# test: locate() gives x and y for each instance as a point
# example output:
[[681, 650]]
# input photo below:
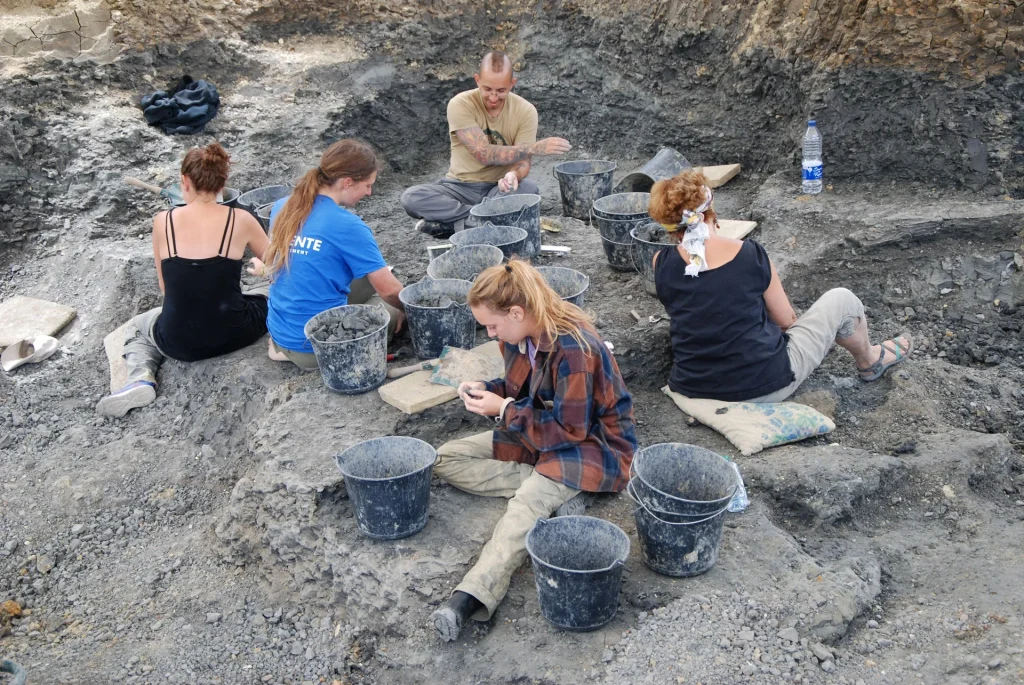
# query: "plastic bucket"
[[643, 257], [465, 262], [577, 564], [358, 364], [514, 210], [511, 240], [434, 324], [675, 545], [388, 481], [580, 183], [619, 255], [19, 676], [229, 197], [257, 197], [666, 164], [680, 479], [571, 285], [618, 229], [623, 206], [263, 216]]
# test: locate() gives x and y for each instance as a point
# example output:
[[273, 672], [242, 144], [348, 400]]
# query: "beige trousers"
[[468, 465]]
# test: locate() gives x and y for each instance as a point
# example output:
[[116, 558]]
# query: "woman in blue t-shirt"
[[735, 336], [322, 255]]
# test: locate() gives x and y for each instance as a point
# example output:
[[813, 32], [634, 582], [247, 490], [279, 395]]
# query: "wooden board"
[[113, 345], [731, 228], [415, 393], [719, 175], [26, 317]]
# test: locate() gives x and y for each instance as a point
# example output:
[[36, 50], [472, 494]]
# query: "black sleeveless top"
[[724, 345], [205, 313]]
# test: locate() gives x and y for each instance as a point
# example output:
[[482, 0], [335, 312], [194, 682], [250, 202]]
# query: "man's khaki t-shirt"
[[517, 124]]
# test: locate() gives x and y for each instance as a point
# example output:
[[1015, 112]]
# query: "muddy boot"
[[449, 619], [577, 506], [438, 229]]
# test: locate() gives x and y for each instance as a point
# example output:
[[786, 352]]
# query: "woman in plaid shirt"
[[565, 427]]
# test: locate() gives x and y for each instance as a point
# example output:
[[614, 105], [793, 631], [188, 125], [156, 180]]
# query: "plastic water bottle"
[[812, 159]]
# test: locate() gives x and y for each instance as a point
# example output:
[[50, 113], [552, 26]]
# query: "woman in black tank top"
[[735, 336], [198, 251]]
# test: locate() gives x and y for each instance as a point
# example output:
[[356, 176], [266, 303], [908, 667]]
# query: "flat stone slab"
[[415, 393], [719, 175], [25, 317], [113, 345], [738, 230]]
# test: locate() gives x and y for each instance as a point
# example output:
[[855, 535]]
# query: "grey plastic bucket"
[[643, 256], [570, 284], [514, 210], [666, 164], [388, 482], [266, 195], [577, 565], [229, 198], [623, 206], [18, 674], [263, 216], [618, 229], [582, 182], [465, 262], [511, 240], [681, 479], [431, 326], [673, 544], [619, 255], [352, 366]]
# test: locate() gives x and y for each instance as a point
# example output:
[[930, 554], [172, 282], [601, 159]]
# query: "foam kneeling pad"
[[753, 426]]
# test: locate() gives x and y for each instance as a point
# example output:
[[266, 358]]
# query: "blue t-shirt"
[[333, 248]]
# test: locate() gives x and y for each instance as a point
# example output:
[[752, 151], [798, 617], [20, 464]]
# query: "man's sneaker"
[[131, 396], [435, 229], [577, 506]]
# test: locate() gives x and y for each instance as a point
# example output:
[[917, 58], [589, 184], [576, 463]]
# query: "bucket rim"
[[614, 165], [633, 235], [547, 522], [403, 438], [619, 221], [612, 195], [586, 282], [727, 498], [286, 186], [487, 247], [433, 280], [524, 236], [615, 242], [635, 496], [533, 199], [376, 307]]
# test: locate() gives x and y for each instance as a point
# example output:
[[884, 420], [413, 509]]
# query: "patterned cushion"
[[751, 426]]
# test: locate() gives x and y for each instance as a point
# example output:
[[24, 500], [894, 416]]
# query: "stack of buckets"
[[682, 493]]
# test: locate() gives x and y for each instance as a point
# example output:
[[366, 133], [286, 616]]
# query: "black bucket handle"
[[546, 521], [633, 496]]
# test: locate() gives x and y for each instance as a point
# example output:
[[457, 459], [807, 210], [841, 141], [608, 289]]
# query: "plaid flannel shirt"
[[572, 418]]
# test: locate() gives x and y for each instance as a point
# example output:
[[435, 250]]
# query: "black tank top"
[[205, 313], [724, 345]]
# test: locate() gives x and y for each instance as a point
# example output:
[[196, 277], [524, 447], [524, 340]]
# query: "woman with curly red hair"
[[735, 335]]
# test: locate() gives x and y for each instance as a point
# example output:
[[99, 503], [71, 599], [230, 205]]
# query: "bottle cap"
[[812, 122]]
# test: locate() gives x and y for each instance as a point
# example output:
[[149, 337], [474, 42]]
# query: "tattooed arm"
[[475, 141]]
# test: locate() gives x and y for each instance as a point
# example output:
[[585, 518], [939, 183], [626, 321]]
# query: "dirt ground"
[[208, 538]]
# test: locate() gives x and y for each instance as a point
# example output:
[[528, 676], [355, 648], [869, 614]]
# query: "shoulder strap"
[[229, 223], [169, 229]]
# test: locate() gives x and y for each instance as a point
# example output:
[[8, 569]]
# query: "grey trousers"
[[141, 354], [360, 292], [834, 315], [448, 200]]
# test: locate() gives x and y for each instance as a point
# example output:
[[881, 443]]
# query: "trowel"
[[172, 192]]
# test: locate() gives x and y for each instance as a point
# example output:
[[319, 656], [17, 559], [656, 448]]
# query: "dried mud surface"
[[208, 538]]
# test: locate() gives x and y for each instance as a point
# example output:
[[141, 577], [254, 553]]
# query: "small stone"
[[995, 663], [12, 545], [77, 528], [821, 651], [213, 617], [310, 653], [607, 655], [789, 634], [746, 635], [44, 563], [296, 649], [828, 666], [748, 669], [872, 624], [157, 626]]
